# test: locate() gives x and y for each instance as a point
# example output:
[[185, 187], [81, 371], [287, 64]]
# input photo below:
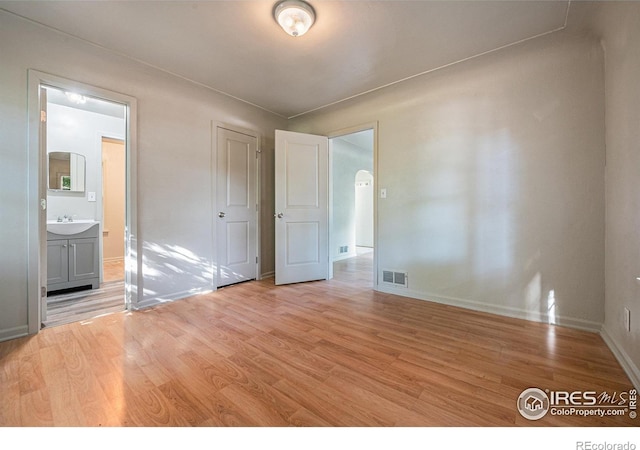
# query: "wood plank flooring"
[[329, 353], [85, 304]]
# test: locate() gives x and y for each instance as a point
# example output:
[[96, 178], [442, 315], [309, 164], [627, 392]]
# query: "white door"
[[237, 207], [302, 225]]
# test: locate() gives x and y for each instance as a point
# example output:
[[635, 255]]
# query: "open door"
[[302, 215]]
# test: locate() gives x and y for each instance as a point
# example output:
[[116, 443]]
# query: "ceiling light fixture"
[[294, 16], [76, 98]]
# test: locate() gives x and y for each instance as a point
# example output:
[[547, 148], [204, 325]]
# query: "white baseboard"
[[147, 303], [516, 313], [14, 333], [625, 361]]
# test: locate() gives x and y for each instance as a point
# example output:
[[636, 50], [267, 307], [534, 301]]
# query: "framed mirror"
[[66, 172]]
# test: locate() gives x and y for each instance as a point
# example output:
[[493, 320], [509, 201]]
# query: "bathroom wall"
[[78, 131]]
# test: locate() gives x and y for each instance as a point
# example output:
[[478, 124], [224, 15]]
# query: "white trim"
[[632, 371], [147, 303], [258, 207], [516, 313], [35, 191], [330, 214], [213, 164]]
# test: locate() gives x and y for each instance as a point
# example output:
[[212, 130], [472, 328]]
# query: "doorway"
[[85, 267], [67, 205], [315, 203], [352, 196]]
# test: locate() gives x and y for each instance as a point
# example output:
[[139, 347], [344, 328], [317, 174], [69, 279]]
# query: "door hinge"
[[43, 291], [256, 260], [43, 116]]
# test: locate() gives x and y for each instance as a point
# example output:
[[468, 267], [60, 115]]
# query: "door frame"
[[215, 126], [343, 132], [37, 190]]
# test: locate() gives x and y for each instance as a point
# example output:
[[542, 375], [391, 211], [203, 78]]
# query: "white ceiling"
[[237, 48]]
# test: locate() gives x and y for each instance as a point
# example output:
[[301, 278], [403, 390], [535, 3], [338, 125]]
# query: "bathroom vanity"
[[73, 258]]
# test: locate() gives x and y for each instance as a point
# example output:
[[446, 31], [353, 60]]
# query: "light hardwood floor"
[[329, 353]]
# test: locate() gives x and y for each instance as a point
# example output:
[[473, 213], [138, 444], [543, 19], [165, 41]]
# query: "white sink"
[[66, 228]]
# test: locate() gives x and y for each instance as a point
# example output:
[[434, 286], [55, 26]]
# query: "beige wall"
[[113, 198], [174, 140], [619, 25], [494, 170]]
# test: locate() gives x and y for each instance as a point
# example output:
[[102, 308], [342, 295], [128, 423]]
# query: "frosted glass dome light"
[[294, 16]]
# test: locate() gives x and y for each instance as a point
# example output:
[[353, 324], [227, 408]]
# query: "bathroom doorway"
[[86, 206]]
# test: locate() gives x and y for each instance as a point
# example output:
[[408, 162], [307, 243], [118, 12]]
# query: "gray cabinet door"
[[83, 259], [57, 261]]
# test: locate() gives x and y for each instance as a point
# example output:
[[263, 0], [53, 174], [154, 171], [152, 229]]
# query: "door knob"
[[279, 215], [221, 214]]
